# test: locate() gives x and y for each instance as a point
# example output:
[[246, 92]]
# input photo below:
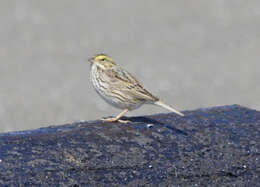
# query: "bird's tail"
[[160, 103]]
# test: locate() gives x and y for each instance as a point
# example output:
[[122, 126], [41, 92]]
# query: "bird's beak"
[[91, 60]]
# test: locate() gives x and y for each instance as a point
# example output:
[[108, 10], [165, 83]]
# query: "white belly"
[[100, 86]]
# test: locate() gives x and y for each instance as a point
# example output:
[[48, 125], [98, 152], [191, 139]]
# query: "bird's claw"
[[115, 120]]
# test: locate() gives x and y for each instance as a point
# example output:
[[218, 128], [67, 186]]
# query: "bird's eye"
[[102, 59]]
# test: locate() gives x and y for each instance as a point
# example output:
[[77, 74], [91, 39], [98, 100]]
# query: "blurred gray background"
[[192, 54]]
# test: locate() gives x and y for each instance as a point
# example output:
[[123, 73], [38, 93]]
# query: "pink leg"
[[117, 118]]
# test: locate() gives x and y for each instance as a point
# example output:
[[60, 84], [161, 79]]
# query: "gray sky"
[[192, 54]]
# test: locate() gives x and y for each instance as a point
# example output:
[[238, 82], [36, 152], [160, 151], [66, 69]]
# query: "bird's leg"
[[117, 118]]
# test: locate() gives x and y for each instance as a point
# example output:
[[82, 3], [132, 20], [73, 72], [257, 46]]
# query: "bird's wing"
[[122, 80]]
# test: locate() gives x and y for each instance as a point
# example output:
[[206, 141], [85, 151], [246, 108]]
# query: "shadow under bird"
[[119, 88]]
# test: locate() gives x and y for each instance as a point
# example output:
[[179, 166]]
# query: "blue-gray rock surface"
[[217, 146]]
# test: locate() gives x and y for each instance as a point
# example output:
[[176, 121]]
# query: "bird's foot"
[[115, 120]]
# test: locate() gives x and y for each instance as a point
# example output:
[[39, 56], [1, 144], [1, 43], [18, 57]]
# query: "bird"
[[119, 88]]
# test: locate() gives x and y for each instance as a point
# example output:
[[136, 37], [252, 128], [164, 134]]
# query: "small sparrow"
[[119, 88]]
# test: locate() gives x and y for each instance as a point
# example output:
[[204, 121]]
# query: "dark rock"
[[208, 147]]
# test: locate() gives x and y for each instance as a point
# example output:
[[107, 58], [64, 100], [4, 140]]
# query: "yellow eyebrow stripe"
[[99, 57]]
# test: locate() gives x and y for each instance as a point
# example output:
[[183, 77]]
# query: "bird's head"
[[103, 61]]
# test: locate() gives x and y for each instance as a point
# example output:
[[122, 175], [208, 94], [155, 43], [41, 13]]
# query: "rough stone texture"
[[208, 147]]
